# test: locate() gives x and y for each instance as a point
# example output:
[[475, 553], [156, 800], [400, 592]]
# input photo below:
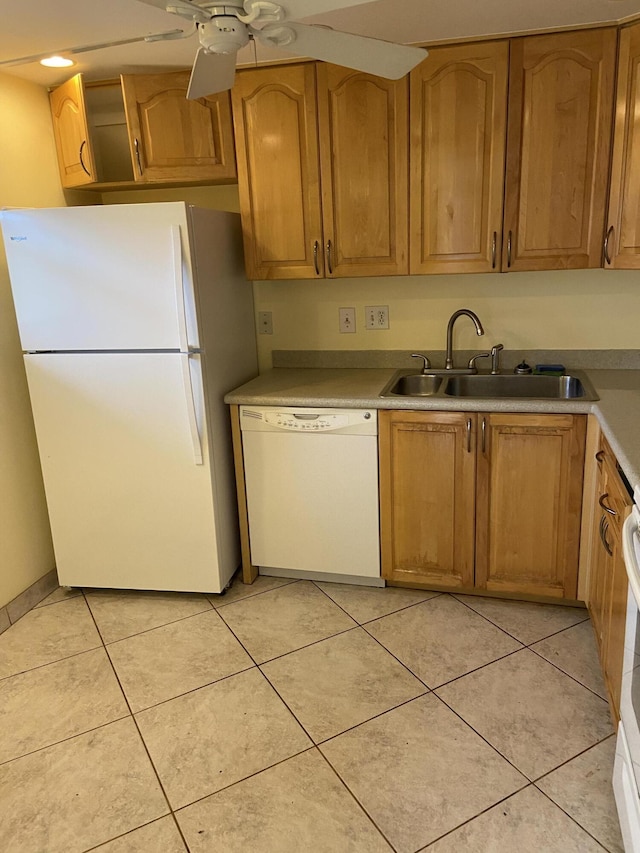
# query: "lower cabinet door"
[[528, 503], [427, 492]]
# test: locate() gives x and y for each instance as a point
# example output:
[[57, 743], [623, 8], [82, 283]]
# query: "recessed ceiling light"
[[56, 62]]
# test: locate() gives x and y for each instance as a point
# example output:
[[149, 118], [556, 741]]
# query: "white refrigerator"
[[135, 320]]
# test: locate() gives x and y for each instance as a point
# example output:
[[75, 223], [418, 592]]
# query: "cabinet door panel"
[[624, 206], [560, 114], [363, 147], [458, 127], [175, 139], [528, 504], [274, 114], [71, 132], [427, 476]]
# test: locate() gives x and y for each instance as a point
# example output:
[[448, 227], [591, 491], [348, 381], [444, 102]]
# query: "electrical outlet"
[[347, 320], [376, 317], [265, 323]]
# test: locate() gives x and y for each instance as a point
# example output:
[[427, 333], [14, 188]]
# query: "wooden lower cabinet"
[[427, 477], [608, 576], [485, 501]]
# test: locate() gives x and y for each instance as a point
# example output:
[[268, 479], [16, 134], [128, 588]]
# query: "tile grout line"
[[569, 675], [570, 816], [142, 740], [130, 831], [356, 800], [495, 624], [147, 630], [480, 813], [430, 595], [288, 582]]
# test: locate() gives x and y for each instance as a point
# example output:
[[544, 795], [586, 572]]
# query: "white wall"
[[28, 178]]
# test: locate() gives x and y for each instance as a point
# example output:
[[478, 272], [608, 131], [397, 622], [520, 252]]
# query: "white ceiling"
[[36, 27]]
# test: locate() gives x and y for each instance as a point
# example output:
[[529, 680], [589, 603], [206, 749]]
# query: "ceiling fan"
[[225, 28]]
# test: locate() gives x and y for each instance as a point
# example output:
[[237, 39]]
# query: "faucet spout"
[[448, 364]]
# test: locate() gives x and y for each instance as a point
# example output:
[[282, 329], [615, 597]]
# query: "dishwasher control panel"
[[300, 422], [276, 419]]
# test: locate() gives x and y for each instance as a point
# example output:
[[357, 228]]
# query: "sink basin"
[[566, 387], [484, 386], [415, 385]]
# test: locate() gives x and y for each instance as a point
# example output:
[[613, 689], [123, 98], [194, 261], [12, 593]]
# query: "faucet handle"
[[472, 360], [425, 359]]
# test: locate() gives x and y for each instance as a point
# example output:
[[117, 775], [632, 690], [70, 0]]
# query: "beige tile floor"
[[297, 716]]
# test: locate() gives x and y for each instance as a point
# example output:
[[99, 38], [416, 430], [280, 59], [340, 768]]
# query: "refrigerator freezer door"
[[111, 277], [129, 506]]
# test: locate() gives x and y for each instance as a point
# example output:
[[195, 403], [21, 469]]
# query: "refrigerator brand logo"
[[17, 239]]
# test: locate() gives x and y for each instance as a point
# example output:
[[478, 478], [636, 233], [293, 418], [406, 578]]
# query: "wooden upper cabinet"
[[529, 500], [363, 162], [622, 250], [458, 128], [71, 133], [558, 147], [427, 497], [322, 172], [274, 114], [172, 138]]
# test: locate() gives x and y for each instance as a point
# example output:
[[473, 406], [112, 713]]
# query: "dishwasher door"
[[312, 491]]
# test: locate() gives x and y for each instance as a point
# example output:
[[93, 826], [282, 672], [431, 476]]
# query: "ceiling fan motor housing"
[[223, 34]]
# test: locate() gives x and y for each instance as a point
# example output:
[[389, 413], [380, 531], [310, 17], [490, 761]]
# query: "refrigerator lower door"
[[130, 503]]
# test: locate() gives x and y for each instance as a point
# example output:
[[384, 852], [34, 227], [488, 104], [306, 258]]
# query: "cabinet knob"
[[316, 247]]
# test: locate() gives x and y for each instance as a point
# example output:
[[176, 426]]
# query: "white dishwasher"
[[312, 492]]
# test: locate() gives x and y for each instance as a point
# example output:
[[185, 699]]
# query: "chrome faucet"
[[448, 364]]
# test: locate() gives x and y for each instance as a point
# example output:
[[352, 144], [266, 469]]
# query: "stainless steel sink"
[[573, 386], [568, 387], [416, 385]]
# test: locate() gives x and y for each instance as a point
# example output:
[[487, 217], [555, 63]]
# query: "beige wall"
[[28, 178], [592, 309]]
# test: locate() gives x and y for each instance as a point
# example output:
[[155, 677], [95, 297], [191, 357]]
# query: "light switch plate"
[[265, 323], [346, 320]]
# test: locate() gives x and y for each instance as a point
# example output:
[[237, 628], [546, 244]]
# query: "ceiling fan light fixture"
[[223, 34], [57, 62]]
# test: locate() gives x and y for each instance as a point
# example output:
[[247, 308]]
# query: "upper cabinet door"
[[71, 132], [622, 248], [558, 144], [274, 114], [363, 157], [458, 128], [173, 139]]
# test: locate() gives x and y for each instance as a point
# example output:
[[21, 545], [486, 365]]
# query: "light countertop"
[[617, 410]]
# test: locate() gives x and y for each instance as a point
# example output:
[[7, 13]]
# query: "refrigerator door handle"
[[181, 312], [191, 409]]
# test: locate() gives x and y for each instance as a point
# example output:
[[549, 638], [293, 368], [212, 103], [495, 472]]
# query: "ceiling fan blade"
[[373, 56], [212, 72], [184, 8]]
